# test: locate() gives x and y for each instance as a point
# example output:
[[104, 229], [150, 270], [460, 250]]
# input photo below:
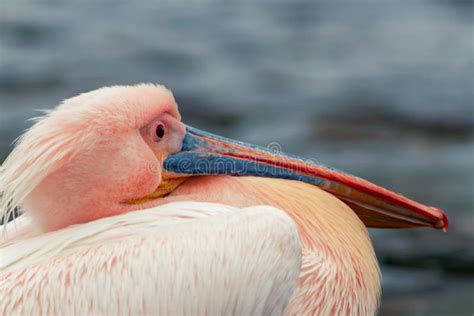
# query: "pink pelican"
[[129, 211]]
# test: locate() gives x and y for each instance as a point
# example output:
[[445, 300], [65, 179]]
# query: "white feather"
[[180, 258]]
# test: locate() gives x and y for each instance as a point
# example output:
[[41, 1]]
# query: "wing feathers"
[[179, 258]]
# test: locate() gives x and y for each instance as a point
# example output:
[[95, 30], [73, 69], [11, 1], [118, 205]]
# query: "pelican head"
[[123, 148]]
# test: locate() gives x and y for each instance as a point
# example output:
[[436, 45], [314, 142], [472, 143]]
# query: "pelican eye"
[[160, 131]]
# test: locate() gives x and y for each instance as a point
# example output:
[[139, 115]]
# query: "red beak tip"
[[444, 222]]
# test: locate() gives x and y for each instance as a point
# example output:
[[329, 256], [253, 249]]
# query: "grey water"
[[381, 89]]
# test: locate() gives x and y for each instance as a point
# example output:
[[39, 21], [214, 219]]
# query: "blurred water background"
[[382, 89]]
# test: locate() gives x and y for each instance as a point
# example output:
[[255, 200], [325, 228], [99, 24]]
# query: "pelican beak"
[[203, 153]]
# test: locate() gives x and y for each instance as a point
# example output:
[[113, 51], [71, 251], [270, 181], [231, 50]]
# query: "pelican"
[[129, 211]]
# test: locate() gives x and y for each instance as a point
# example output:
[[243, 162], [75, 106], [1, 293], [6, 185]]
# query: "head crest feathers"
[[75, 125]]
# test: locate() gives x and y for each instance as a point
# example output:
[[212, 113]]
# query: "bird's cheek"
[[142, 175]]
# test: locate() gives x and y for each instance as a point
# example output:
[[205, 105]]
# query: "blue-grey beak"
[[203, 153]]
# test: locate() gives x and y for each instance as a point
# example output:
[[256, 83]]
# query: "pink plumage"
[[107, 230]]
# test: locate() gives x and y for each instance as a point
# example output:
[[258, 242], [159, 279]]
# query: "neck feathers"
[[340, 274]]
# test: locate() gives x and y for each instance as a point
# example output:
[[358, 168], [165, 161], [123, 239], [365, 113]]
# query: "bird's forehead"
[[121, 108]]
